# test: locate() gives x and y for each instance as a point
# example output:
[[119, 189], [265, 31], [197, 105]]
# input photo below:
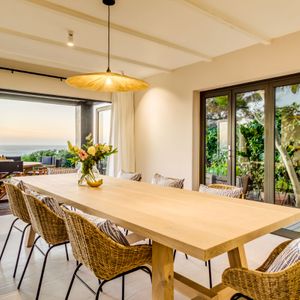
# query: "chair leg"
[[123, 287], [27, 262], [8, 235], [72, 280], [210, 274], [238, 296], [174, 254], [67, 254], [100, 288], [20, 248], [186, 256], [43, 270]]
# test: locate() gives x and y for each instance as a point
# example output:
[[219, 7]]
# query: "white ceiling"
[[148, 36]]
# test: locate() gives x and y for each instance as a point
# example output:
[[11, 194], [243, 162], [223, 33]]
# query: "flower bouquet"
[[89, 155]]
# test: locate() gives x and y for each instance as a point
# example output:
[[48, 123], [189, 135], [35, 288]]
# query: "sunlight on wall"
[[33, 123]]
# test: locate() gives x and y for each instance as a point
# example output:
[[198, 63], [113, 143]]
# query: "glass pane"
[[250, 143], [104, 117], [216, 139], [287, 145]]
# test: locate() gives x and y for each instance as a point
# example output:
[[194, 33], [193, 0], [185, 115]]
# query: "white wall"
[[45, 85], [164, 113]]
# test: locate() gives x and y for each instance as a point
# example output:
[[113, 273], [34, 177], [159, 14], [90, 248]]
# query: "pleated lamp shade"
[[107, 82]]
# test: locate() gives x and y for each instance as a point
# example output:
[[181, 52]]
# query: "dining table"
[[199, 224]]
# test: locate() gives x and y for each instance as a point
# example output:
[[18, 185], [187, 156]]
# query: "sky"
[[32, 123]]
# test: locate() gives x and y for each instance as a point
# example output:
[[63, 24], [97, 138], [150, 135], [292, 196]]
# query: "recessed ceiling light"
[[70, 42]]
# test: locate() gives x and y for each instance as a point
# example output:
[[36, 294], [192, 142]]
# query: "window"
[[26, 127], [103, 123], [251, 138], [102, 130]]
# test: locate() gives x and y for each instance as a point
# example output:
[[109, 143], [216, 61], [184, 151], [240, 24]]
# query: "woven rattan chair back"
[[261, 285], [17, 202], [94, 249], [44, 222], [224, 187]]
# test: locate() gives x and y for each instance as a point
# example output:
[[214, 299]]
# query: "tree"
[[289, 115]]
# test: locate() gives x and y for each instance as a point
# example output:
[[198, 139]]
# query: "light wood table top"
[[198, 224]]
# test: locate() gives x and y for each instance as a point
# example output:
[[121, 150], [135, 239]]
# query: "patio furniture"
[[106, 258], [14, 158], [19, 210], [34, 168], [7, 169], [47, 225], [260, 285], [47, 160]]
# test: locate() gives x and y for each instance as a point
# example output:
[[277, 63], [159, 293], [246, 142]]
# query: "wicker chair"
[[99, 253], [224, 187], [19, 210], [260, 285], [47, 225]]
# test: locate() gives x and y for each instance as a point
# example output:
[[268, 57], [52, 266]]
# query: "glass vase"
[[89, 177]]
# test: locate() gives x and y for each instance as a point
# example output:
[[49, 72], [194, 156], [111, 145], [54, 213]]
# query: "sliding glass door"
[[251, 139], [217, 140], [287, 145], [249, 115]]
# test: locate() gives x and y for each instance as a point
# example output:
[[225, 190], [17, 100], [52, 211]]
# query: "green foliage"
[[253, 133], [59, 154], [218, 164]]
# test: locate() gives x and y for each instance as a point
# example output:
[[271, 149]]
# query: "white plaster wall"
[[163, 114]]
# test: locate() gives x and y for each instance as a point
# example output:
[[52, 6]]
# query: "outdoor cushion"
[[50, 202], [232, 193], [130, 176], [289, 256], [167, 181]]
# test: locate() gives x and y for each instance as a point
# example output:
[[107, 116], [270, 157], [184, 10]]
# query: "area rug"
[[4, 208]]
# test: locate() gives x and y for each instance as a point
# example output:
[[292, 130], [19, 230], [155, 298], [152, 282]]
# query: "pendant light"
[[107, 81]]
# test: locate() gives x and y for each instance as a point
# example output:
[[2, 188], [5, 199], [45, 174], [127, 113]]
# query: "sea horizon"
[[19, 150]]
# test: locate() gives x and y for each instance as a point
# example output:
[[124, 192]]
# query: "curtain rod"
[[33, 73]]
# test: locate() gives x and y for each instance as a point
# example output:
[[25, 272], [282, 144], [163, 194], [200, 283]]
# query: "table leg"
[[30, 236], [162, 272], [237, 258]]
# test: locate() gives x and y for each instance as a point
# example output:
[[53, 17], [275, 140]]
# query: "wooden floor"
[[58, 272]]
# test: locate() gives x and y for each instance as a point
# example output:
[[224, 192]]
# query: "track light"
[[70, 42]]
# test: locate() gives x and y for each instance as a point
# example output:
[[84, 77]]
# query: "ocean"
[[19, 150]]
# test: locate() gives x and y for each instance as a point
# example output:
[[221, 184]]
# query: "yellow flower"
[[106, 148], [92, 150]]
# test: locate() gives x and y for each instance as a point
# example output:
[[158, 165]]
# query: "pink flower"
[[82, 154]]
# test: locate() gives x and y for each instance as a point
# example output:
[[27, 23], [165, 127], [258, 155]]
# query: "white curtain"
[[122, 134]]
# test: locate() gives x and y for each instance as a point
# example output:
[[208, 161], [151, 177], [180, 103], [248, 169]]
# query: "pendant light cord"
[[108, 40]]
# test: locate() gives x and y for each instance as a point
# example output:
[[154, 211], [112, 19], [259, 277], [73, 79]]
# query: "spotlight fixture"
[[107, 81], [70, 42]]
